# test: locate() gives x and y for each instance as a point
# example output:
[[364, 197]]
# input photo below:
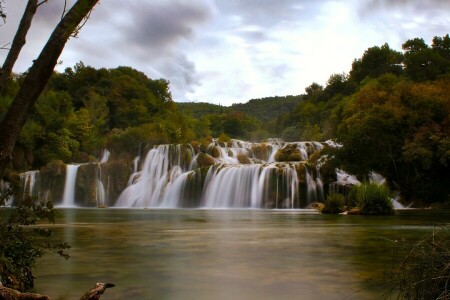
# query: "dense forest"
[[390, 113]]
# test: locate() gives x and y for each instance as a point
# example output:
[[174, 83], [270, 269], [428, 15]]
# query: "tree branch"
[[37, 78], [17, 43]]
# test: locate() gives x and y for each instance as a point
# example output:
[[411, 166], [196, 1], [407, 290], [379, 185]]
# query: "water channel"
[[227, 254]]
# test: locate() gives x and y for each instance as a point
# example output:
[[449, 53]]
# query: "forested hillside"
[[390, 112], [268, 108]]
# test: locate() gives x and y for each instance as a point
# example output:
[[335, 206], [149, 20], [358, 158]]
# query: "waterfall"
[[242, 175], [232, 174], [105, 156], [162, 166], [100, 193], [234, 187], [69, 187], [28, 182], [4, 187]]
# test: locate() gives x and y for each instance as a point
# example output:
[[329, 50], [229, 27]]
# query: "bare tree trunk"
[[18, 42], [37, 78]]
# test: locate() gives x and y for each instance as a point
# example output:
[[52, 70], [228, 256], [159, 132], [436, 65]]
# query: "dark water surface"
[[226, 254]]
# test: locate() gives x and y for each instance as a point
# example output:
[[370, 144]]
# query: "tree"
[[18, 41], [37, 78], [23, 241], [376, 61], [427, 63]]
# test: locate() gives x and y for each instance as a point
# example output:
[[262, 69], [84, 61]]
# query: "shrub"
[[22, 246], [374, 199], [334, 204]]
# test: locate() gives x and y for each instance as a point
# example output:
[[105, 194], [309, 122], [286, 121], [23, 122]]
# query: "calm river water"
[[226, 254]]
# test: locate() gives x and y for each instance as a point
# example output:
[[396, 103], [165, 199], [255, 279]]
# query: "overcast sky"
[[230, 51]]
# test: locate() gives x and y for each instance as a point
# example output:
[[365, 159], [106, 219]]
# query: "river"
[[226, 254]]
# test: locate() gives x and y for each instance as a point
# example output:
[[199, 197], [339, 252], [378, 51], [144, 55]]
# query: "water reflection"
[[223, 254]]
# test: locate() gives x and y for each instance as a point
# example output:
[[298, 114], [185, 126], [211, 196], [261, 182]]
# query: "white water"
[[105, 156], [161, 167], [69, 187], [4, 186], [28, 182], [100, 192], [244, 176]]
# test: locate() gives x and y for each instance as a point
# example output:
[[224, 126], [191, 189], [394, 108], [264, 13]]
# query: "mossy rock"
[[262, 151], [205, 160], [196, 146], [243, 159], [288, 153], [215, 152]]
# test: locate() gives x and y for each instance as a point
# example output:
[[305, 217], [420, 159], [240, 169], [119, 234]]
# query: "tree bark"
[[17, 43], [37, 78]]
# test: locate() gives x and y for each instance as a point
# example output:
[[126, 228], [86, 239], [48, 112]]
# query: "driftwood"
[[10, 294], [93, 294], [97, 291]]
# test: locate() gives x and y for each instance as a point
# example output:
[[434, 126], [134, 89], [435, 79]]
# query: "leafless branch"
[[5, 46], [42, 2], [64, 9], [77, 30]]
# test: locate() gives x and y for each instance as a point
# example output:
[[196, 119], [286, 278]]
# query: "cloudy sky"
[[230, 51]]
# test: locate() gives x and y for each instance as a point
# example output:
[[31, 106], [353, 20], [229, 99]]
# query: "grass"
[[373, 199], [334, 204], [422, 270]]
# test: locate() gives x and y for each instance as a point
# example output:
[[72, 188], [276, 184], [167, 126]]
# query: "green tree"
[[376, 61], [23, 241], [37, 77], [427, 63]]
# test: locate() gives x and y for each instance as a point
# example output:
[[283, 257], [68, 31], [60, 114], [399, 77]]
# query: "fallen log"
[[93, 294], [10, 294]]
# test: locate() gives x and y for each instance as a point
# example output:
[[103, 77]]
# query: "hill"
[[264, 109]]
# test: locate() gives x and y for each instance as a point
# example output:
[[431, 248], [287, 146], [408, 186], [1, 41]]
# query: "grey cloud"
[[181, 73], [420, 6], [161, 24], [253, 33], [268, 13]]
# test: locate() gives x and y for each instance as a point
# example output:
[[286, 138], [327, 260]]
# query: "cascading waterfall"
[[28, 181], [69, 187], [234, 187], [105, 156], [100, 192], [242, 175], [162, 166], [232, 174]]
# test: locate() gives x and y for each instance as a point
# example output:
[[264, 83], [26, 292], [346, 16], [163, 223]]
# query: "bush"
[[334, 204], [373, 199], [20, 245]]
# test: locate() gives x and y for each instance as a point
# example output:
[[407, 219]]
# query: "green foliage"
[[375, 62], [201, 109], [223, 138], [291, 134], [23, 240], [399, 128], [374, 199], [334, 204], [268, 108], [424, 62]]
